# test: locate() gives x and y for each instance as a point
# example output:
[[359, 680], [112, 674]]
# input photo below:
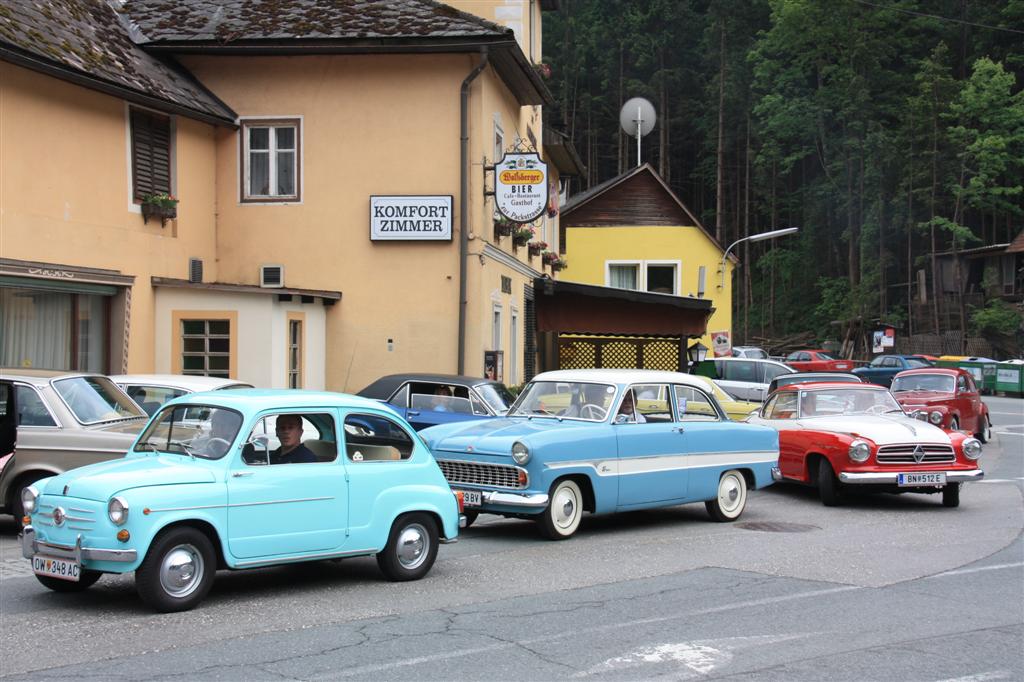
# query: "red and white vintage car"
[[948, 398], [839, 436], [816, 361]]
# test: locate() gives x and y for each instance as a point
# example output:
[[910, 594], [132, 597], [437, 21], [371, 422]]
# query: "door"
[[968, 404], [652, 447], [740, 378], [780, 413], [288, 509]]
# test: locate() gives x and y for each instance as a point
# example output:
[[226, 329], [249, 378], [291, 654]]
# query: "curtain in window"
[[622, 276], [35, 329]]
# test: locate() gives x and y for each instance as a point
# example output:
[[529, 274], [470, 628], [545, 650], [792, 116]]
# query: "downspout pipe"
[[464, 201]]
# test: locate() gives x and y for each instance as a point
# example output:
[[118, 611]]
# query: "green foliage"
[[997, 317]]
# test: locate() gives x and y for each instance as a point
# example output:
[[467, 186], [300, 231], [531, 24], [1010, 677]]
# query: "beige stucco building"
[[274, 135]]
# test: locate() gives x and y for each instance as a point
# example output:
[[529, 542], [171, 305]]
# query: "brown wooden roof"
[[1017, 245]]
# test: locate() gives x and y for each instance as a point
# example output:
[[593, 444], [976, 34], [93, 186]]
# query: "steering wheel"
[[877, 409], [221, 442], [591, 411]]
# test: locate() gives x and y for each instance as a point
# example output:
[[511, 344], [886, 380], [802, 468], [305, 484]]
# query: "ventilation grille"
[[272, 276], [195, 270]]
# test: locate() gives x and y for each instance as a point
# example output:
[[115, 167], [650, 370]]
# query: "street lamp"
[[753, 238], [697, 352]]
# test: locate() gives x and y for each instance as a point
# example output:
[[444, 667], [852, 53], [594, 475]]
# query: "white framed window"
[[622, 274], [499, 139], [513, 348], [271, 160], [702, 276], [656, 276], [496, 327]]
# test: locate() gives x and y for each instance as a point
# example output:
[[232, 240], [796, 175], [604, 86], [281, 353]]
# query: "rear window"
[[913, 362]]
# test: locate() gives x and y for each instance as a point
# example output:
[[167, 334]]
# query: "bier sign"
[[410, 218], [521, 186]]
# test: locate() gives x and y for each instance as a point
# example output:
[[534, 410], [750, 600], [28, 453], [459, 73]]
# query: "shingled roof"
[[87, 42], [239, 21]]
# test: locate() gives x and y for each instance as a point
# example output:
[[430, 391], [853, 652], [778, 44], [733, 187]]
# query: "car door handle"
[[241, 474], [412, 413], [678, 429]]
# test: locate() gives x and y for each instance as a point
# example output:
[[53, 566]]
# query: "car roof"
[[950, 371], [730, 359], [186, 381], [821, 385], [256, 399], [384, 387], [818, 376], [618, 376], [40, 377]]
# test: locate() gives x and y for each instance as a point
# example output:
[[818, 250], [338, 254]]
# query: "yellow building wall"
[[65, 192], [588, 249], [371, 125]]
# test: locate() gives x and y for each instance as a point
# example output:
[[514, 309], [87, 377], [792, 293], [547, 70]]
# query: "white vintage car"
[[151, 391]]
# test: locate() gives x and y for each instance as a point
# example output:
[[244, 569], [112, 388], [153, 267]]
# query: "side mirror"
[[622, 419]]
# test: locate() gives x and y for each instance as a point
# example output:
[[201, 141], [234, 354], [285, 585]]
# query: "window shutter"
[[151, 154]]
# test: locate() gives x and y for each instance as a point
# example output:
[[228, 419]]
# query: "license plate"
[[471, 498], [56, 568], [938, 478]]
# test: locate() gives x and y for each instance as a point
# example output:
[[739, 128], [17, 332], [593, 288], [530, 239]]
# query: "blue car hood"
[[100, 481], [493, 436]]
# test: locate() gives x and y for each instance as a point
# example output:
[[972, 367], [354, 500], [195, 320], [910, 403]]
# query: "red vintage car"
[[816, 361], [948, 398], [843, 436]]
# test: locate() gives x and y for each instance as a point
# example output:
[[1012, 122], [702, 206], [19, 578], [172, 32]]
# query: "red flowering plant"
[[522, 236], [536, 248], [161, 205], [543, 70]]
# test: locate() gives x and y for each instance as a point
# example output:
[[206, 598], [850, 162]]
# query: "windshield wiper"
[[187, 449]]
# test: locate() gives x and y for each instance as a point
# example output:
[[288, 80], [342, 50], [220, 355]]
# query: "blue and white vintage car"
[[202, 489], [605, 441]]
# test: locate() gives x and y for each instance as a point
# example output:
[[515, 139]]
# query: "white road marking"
[[405, 662], [981, 677], [1008, 433], [979, 569], [1000, 480]]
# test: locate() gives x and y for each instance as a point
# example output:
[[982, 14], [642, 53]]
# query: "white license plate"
[[938, 478], [471, 498], [56, 568]]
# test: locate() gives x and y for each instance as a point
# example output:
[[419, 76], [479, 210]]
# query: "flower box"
[[162, 206], [522, 236], [536, 248], [503, 227]]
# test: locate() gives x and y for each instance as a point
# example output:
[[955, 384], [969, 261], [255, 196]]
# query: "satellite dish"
[[637, 113], [637, 119]]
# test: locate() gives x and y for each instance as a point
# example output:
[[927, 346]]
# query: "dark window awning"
[[570, 307]]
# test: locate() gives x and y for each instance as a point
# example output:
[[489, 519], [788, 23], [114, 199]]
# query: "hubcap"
[[181, 571], [413, 543], [564, 508], [729, 494]]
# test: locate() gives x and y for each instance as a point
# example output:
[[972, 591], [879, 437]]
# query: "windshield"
[[497, 397], [942, 383], [915, 363], [838, 401], [567, 399], [95, 399], [197, 430], [825, 356]]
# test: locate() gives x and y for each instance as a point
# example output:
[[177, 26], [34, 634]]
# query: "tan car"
[[65, 420]]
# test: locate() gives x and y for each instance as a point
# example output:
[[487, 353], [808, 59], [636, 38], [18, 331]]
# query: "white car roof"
[[731, 359], [620, 376], [193, 384]]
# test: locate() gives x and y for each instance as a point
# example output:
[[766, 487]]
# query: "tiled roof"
[[228, 21], [1017, 245], [89, 40]]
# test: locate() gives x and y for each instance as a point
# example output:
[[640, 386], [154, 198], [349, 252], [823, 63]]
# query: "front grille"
[[485, 475], [904, 454], [77, 516]]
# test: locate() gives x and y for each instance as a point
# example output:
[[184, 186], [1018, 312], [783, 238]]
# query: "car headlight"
[[935, 417], [972, 448], [117, 510], [520, 453], [860, 451], [28, 499]]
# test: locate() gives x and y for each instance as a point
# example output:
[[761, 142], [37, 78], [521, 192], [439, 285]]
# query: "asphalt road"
[[883, 588]]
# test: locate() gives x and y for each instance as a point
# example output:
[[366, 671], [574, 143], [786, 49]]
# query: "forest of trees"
[[887, 131]]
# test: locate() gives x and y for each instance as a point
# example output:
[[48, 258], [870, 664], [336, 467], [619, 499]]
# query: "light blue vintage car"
[[206, 486], [605, 441]]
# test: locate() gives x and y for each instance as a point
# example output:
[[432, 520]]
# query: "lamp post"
[[753, 238], [697, 352]]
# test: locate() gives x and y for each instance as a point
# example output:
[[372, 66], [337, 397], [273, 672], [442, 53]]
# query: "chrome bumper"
[[515, 500], [886, 477], [776, 474], [30, 546]]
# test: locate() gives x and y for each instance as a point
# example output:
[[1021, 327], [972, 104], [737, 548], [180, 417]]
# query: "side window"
[[890, 362], [479, 407], [151, 398], [293, 439], [652, 402], [742, 370], [879, 361], [693, 405], [372, 438], [783, 406], [439, 398], [961, 383], [31, 408], [400, 398], [772, 371], [793, 356]]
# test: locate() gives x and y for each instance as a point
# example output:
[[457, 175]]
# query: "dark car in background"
[[884, 367], [431, 399], [811, 377]]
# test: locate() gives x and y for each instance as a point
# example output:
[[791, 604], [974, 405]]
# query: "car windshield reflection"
[[205, 432], [565, 400], [95, 399], [940, 383], [857, 401], [497, 397]]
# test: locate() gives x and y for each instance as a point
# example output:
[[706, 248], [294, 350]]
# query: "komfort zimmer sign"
[[521, 186], [410, 218]]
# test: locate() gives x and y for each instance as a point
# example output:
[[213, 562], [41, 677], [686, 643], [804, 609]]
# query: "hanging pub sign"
[[410, 218], [521, 186]]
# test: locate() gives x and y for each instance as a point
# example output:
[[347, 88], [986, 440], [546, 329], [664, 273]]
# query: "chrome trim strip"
[[514, 500], [77, 518], [84, 511], [626, 466], [891, 478], [240, 504], [170, 509], [30, 546], [69, 449], [79, 527], [304, 557]]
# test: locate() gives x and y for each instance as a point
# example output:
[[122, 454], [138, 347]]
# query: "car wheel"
[[411, 548], [731, 499], [985, 435], [828, 484], [470, 517], [178, 570], [954, 424], [562, 516], [86, 579], [951, 495]]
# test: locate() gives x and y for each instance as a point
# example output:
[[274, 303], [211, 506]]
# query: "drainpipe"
[[464, 202]]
